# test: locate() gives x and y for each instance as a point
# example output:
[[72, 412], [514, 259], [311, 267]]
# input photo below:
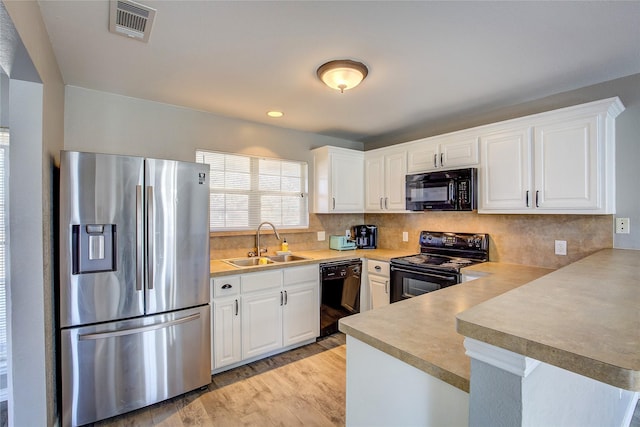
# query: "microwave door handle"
[[452, 196]]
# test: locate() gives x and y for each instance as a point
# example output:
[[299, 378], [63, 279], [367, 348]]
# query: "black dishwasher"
[[340, 292]]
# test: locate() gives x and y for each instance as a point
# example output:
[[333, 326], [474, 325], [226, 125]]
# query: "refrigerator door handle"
[[150, 237], [139, 238], [130, 331]]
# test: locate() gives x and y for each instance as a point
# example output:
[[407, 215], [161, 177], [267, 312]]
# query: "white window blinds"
[[4, 191], [247, 190]]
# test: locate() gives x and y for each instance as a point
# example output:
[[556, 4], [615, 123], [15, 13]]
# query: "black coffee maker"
[[365, 236]]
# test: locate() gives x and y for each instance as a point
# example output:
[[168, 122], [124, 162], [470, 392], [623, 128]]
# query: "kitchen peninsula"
[[582, 318]]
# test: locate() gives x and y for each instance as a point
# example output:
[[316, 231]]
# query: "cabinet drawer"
[[378, 267], [225, 286], [260, 281], [301, 274]]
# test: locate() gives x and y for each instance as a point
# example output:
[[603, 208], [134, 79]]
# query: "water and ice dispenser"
[[94, 248]]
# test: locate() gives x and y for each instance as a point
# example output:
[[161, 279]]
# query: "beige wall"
[[27, 20]]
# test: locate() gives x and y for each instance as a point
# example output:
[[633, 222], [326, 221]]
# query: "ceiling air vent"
[[131, 19]]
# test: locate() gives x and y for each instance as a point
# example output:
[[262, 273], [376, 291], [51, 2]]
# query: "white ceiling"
[[427, 60]]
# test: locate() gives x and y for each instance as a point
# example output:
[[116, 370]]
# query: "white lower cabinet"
[[272, 310], [301, 309], [261, 323], [226, 332], [225, 321], [379, 281]]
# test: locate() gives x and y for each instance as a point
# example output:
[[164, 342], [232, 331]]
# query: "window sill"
[[264, 230]]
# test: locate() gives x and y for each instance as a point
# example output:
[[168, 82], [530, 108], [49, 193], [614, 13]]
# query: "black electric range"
[[438, 264]]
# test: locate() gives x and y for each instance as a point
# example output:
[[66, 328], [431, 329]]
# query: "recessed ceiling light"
[[275, 114]]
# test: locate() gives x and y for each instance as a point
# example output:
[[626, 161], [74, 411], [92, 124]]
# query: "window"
[[247, 190], [4, 192]]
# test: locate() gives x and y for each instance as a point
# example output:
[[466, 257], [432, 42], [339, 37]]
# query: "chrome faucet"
[[259, 250]]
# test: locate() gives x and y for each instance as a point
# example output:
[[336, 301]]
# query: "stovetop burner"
[[447, 251]]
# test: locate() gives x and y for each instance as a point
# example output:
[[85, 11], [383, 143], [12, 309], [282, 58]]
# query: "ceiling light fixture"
[[275, 114], [342, 74]]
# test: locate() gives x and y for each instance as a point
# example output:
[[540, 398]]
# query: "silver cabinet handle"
[[377, 268], [435, 160], [286, 298], [386, 203], [227, 286], [537, 194], [386, 286], [130, 331], [236, 307], [380, 202], [150, 237], [334, 203], [139, 238], [281, 298], [526, 198], [441, 159]]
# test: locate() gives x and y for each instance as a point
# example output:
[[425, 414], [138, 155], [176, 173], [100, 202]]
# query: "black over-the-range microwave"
[[452, 190]]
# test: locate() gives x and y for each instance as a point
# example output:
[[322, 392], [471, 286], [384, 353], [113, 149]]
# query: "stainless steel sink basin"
[[287, 258], [248, 262], [275, 259]]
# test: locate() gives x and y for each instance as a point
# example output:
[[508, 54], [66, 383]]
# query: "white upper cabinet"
[[455, 150], [338, 180], [557, 162], [385, 171], [505, 173]]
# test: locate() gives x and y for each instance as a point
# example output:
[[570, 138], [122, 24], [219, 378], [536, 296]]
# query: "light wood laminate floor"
[[305, 386]]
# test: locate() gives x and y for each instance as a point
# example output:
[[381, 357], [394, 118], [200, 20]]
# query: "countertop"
[[421, 331], [220, 268], [584, 318]]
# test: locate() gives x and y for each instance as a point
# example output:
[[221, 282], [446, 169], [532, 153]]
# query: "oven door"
[[408, 283]]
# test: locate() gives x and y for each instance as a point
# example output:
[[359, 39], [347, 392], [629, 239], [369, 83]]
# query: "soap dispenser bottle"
[[285, 245]]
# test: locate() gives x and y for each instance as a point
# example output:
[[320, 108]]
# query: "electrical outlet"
[[561, 247], [405, 236], [347, 233], [321, 236], [622, 226]]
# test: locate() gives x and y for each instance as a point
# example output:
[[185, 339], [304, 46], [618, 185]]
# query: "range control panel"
[[463, 241]]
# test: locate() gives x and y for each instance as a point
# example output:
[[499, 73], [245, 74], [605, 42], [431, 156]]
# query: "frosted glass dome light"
[[342, 74]]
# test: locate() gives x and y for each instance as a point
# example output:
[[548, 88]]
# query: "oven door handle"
[[422, 273]]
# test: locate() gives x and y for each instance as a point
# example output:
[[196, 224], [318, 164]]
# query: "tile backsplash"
[[516, 239]]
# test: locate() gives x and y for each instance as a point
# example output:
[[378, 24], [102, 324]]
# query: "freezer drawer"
[[117, 367]]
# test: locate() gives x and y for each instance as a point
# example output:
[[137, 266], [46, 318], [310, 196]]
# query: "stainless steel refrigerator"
[[133, 296]]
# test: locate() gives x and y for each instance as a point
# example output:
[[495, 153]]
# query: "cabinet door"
[[505, 177], [379, 290], [227, 345], [566, 165], [301, 313], [261, 315], [423, 156], [374, 182], [459, 152], [347, 182], [395, 171]]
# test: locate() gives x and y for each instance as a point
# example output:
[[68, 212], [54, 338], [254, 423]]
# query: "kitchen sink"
[[248, 262], [287, 258]]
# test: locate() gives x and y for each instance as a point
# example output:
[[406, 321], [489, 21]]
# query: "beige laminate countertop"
[[220, 268], [584, 318], [421, 331]]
